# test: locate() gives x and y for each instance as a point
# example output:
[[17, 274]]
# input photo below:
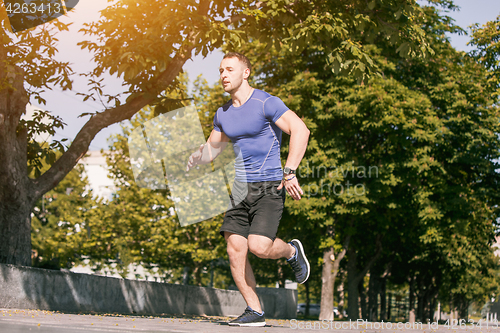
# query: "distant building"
[[491, 311], [497, 246], [135, 272], [94, 162], [96, 171]]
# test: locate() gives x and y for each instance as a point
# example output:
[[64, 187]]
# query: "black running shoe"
[[249, 318], [299, 262]]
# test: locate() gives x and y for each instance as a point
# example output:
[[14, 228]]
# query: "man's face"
[[232, 74]]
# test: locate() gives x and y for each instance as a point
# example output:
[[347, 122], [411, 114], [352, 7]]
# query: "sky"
[[69, 106]]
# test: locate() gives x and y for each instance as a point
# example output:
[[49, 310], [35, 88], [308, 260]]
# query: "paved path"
[[20, 321]]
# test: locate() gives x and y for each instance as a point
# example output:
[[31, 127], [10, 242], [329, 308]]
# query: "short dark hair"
[[240, 57]]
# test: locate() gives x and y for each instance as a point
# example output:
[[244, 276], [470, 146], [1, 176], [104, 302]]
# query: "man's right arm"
[[209, 151]]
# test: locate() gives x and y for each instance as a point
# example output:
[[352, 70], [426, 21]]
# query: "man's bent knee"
[[260, 249]]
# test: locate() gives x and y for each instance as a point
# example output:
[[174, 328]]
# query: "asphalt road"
[[14, 321], [17, 321]]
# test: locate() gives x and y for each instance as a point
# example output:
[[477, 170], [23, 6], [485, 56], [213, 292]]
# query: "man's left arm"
[[291, 124]]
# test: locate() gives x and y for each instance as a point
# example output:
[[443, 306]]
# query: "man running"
[[254, 120]]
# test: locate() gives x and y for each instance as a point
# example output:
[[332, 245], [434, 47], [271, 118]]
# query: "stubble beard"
[[232, 89]]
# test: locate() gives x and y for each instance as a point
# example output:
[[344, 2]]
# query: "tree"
[[348, 174], [431, 135], [146, 44]]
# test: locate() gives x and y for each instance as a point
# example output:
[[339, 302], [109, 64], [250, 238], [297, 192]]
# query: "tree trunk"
[[281, 276], [197, 275], [362, 299], [452, 312], [328, 275], [327, 285], [432, 307], [341, 297], [419, 312], [383, 300], [185, 276], [373, 292], [411, 307], [15, 237], [461, 306], [354, 277], [435, 305], [212, 268], [425, 303], [15, 186], [389, 306], [352, 286], [308, 299]]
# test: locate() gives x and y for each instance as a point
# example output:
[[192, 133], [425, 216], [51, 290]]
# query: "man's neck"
[[241, 95]]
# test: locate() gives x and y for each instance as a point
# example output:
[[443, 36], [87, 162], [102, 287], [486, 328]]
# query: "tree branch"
[[341, 254], [111, 116]]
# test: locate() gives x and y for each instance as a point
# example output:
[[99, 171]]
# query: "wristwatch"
[[288, 171]]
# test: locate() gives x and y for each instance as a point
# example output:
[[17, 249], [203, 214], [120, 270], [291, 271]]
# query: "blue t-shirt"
[[255, 136]]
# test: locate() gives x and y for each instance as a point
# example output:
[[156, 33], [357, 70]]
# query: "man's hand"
[[195, 158], [292, 187]]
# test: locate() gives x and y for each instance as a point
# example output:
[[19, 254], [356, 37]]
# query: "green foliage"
[[340, 30], [42, 123], [59, 222], [429, 135], [33, 50], [486, 40]]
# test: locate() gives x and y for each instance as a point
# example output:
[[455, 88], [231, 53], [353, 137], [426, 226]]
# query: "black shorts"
[[255, 209]]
